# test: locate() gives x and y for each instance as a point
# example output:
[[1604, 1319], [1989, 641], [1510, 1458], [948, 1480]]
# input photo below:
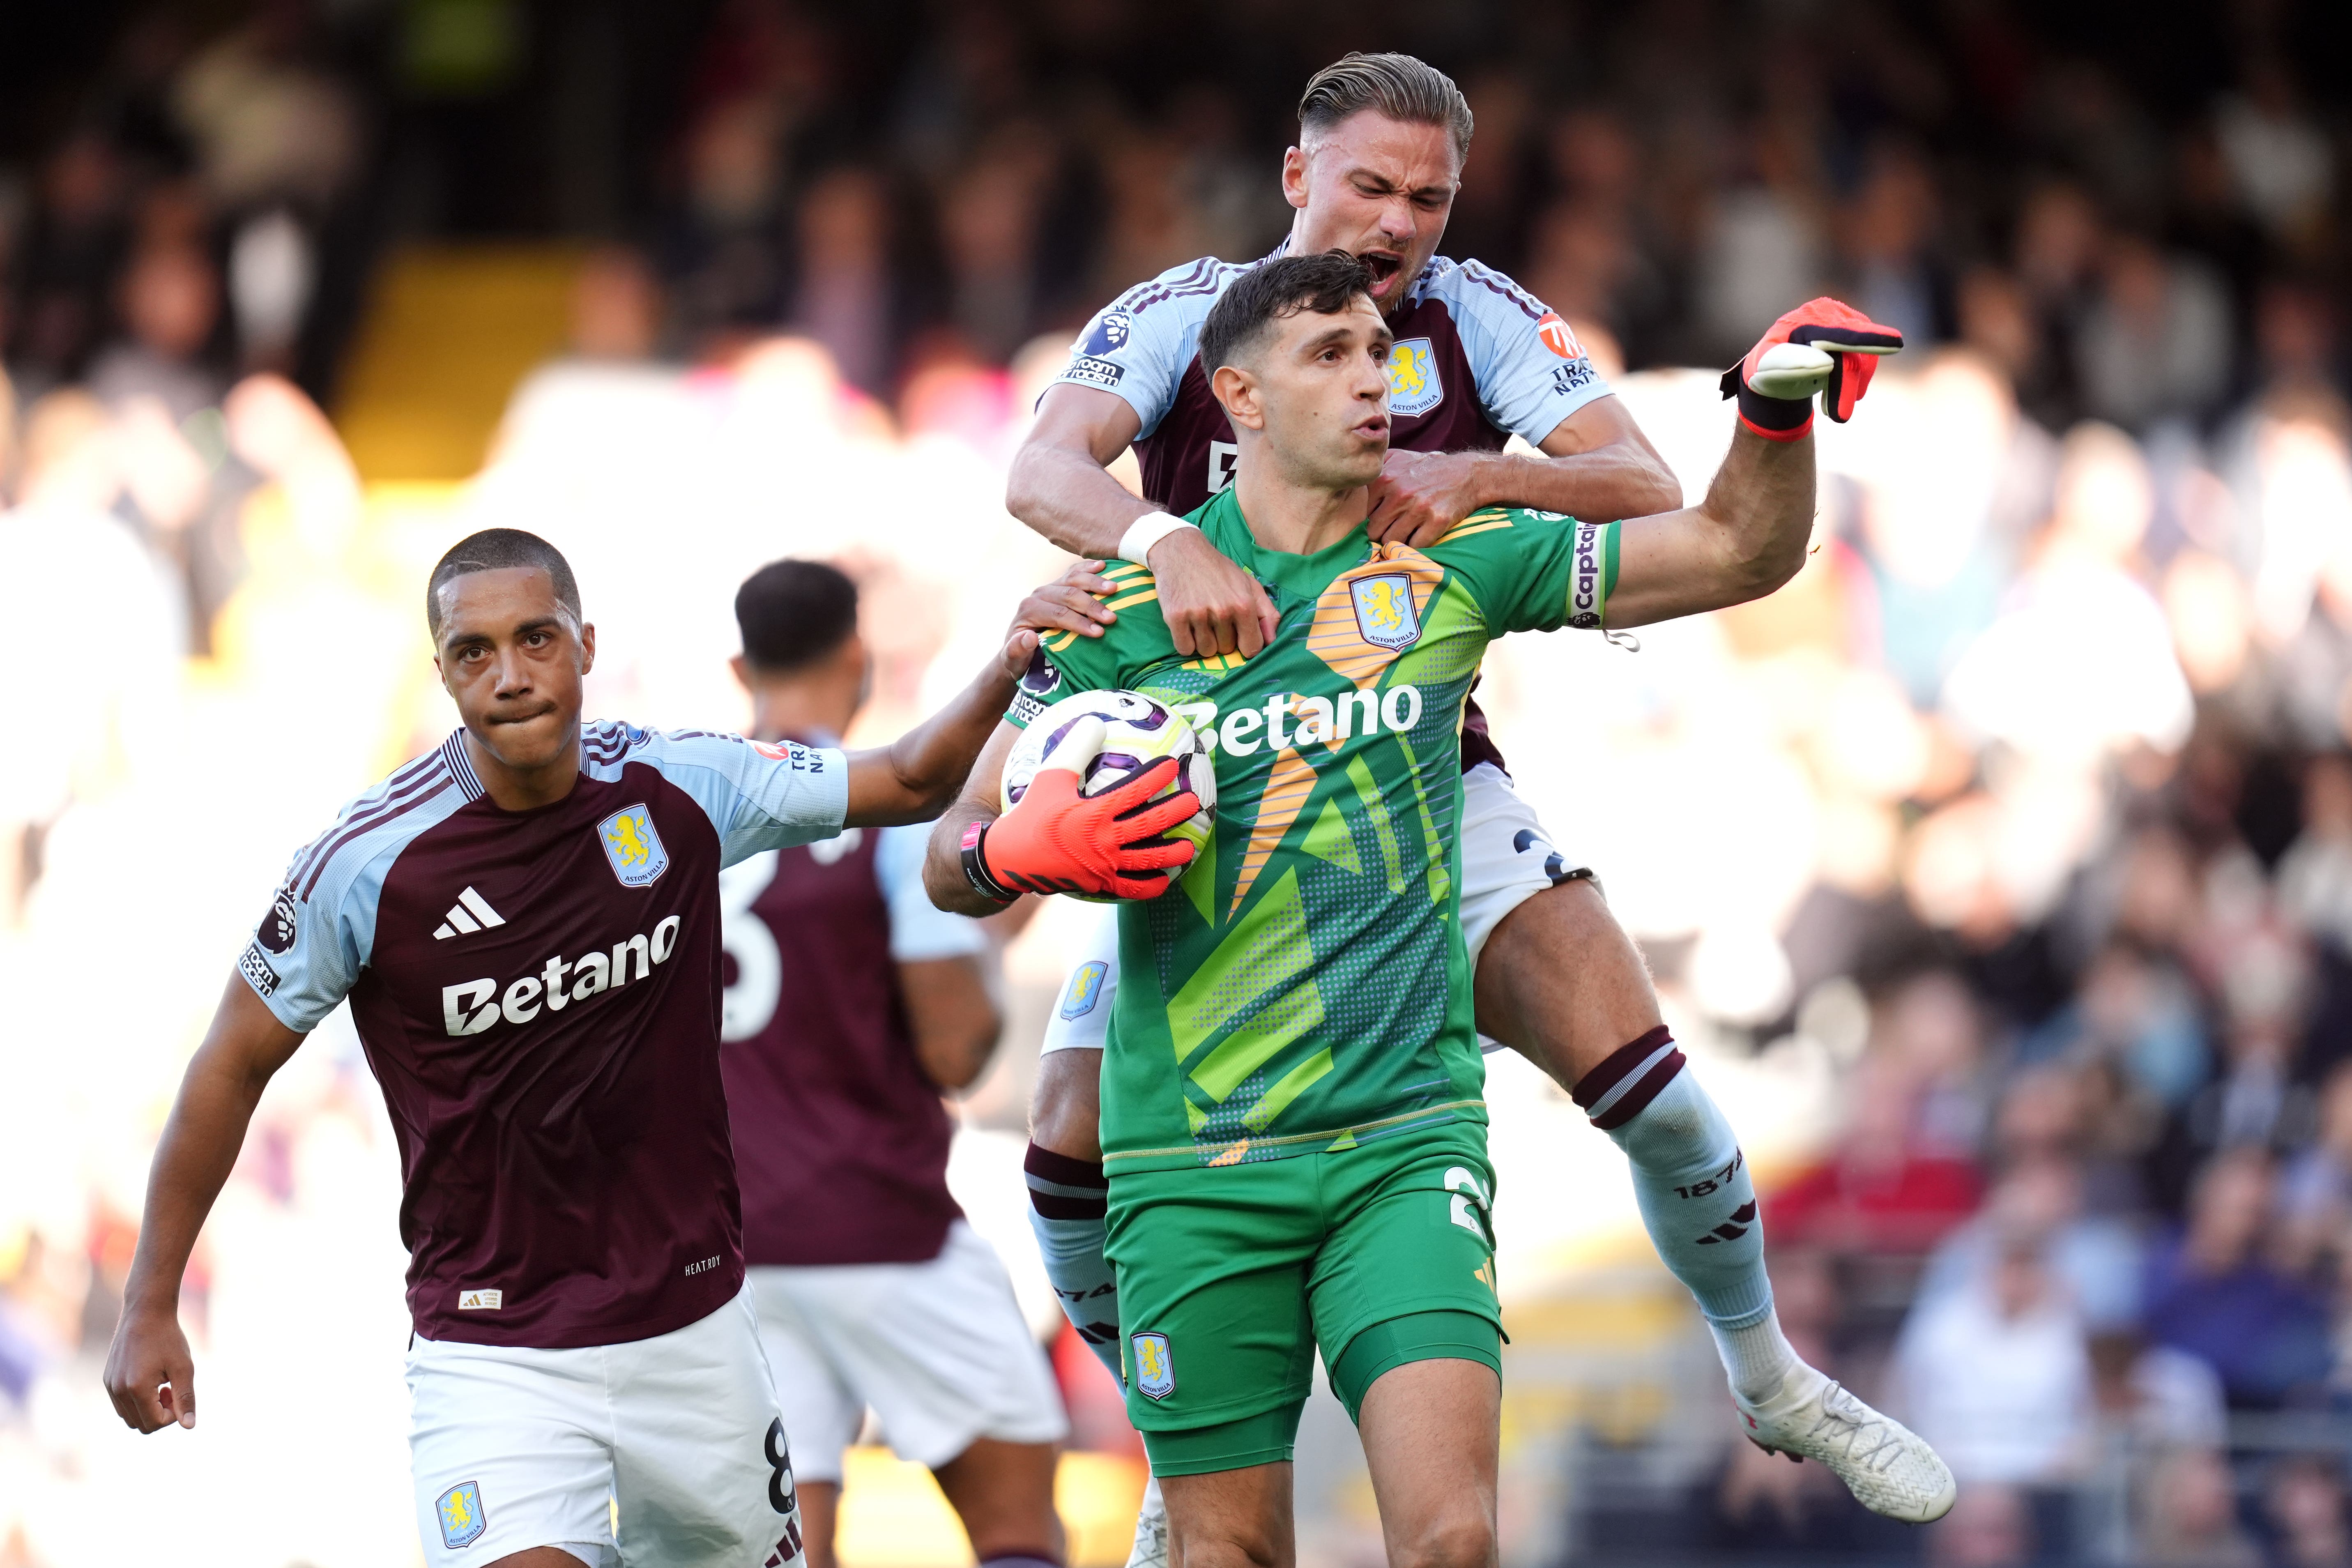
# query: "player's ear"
[[742, 671], [1236, 391], [587, 646], [1294, 177]]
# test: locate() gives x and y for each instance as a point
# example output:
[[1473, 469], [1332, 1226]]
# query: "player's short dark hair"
[[793, 612], [1400, 87], [1323, 283], [495, 550]]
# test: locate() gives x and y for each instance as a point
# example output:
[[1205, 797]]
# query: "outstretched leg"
[[1559, 980]]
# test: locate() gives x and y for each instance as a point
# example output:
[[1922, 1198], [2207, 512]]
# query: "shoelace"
[[1856, 1427]]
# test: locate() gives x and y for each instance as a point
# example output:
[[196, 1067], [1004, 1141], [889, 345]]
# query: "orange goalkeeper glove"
[[1820, 346], [1058, 841]]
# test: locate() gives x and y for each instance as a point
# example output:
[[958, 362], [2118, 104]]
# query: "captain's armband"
[[1593, 577]]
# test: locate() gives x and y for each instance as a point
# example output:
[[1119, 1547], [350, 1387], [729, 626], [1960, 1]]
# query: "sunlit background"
[[1997, 873]]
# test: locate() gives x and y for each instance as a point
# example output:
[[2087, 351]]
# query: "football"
[[1138, 731]]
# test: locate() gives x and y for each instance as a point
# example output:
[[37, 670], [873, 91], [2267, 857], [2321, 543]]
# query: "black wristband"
[[975, 869], [1774, 418]]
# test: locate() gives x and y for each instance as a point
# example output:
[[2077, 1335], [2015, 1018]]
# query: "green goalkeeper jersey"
[[1305, 986]]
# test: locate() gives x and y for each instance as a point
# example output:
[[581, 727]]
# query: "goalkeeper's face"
[[1377, 188], [1316, 389], [513, 656]]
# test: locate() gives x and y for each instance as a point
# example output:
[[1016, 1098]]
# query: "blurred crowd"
[[2008, 849]]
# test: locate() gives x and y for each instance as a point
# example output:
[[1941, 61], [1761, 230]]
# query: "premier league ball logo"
[[1109, 335]]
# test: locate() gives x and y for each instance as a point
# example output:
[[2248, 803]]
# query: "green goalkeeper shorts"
[[1230, 1278]]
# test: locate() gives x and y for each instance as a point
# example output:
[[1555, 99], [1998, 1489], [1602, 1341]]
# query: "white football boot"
[[1150, 1547], [1886, 1466]]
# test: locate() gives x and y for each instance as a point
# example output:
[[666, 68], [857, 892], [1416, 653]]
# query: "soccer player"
[[1474, 359], [526, 921], [855, 1003], [1292, 1122]]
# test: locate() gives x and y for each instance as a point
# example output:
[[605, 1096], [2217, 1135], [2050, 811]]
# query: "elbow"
[[1770, 566], [1022, 496]]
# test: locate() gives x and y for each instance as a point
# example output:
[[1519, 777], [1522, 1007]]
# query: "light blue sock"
[[1066, 1203], [1696, 1200]]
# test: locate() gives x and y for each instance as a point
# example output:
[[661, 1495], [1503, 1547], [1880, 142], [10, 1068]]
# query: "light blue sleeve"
[[1531, 372], [310, 948], [920, 929], [758, 796], [1138, 345]]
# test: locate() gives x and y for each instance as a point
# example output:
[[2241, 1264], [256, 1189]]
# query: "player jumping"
[[855, 1003], [526, 921], [1292, 1123], [1475, 358]]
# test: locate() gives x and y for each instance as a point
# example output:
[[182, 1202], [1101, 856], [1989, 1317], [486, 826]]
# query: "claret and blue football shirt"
[[538, 993]]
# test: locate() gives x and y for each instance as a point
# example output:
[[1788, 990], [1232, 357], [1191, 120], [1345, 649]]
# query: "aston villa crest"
[[1386, 616]]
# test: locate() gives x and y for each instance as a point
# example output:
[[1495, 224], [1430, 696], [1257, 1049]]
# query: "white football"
[[1137, 733]]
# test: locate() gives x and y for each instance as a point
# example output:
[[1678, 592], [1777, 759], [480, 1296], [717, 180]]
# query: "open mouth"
[[1373, 427], [1383, 268]]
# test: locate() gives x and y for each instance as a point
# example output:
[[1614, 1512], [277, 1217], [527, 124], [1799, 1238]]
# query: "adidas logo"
[[469, 915]]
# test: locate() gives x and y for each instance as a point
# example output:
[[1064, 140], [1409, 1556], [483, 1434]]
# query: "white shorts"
[[1507, 860], [676, 1436], [938, 1350]]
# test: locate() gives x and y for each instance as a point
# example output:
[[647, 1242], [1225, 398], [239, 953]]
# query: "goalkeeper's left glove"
[[1820, 346]]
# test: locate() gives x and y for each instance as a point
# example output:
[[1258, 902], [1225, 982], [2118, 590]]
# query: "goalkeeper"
[[1292, 1122]]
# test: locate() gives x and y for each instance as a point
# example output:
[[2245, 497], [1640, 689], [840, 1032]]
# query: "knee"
[[1221, 1548], [1062, 1115], [1463, 1538]]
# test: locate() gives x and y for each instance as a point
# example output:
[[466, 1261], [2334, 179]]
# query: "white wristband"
[[1144, 532]]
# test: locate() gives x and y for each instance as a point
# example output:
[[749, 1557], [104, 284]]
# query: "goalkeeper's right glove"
[[1820, 346], [1058, 841]]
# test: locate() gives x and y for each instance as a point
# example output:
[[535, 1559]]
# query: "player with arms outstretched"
[[1292, 1125], [1475, 358], [526, 921]]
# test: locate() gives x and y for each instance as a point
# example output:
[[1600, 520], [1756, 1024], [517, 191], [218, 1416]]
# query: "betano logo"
[[467, 1008], [1319, 721]]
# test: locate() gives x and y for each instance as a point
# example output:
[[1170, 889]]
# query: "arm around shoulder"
[[1059, 482]]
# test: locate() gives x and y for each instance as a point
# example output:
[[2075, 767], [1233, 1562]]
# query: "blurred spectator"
[[848, 296], [2152, 1397], [2189, 1514], [74, 245], [1880, 1191], [62, 532], [989, 218], [2305, 1505], [2283, 165], [1995, 1372], [1887, 226], [2214, 1292], [2157, 340], [616, 307], [171, 303], [2095, 1258], [1990, 1526], [270, 127], [1765, 245], [2081, 659], [722, 243]]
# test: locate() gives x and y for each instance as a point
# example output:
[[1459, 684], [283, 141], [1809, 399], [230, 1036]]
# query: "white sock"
[[1696, 1200], [1757, 1357]]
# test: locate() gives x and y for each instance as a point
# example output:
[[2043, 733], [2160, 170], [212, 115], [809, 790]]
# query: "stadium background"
[[1997, 873]]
